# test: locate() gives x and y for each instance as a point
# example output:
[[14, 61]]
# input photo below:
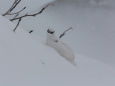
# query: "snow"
[[93, 34], [30, 5], [25, 60]]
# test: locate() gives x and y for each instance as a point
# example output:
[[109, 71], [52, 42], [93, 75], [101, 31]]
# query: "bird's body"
[[62, 48]]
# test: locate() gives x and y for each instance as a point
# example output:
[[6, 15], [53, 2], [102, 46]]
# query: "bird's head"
[[51, 31]]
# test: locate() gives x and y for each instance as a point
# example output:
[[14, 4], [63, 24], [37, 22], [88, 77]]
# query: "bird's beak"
[[48, 30]]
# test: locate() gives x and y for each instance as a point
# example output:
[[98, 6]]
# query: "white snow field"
[[25, 60], [94, 33]]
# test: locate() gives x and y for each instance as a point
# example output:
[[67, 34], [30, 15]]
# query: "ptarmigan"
[[62, 48]]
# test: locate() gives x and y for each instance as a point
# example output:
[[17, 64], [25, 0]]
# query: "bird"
[[63, 49]]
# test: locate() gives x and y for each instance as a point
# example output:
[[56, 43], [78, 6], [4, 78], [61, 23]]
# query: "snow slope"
[[92, 20], [93, 35], [25, 61]]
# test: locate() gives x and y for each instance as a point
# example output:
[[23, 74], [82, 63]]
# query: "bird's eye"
[[49, 31]]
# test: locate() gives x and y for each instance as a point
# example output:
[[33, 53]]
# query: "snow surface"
[[25, 61], [92, 20], [93, 35], [29, 4]]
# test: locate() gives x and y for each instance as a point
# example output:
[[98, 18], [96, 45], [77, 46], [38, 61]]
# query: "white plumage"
[[62, 48]]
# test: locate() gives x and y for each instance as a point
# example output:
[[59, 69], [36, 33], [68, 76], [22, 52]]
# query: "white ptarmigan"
[[62, 48]]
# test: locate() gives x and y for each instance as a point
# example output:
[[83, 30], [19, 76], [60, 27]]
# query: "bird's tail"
[[74, 63]]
